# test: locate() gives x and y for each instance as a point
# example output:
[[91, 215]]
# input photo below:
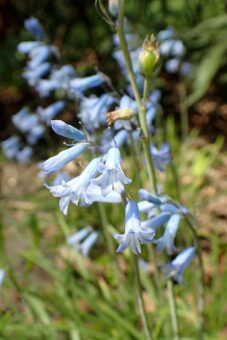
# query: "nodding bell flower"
[[2, 275], [83, 240], [34, 27], [135, 233], [75, 190], [149, 57], [175, 268], [167, 240], [51, 111], [113, 7], [56, 163], [112, 178]]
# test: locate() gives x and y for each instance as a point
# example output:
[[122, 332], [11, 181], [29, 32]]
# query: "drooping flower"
[[75, 190], [56, 163], [34, 27], [51, 111], [160, 157], [68, 131], [11, 147], [2, 275], [93, 109], [175, 268], [24, 155], [167, 239], [83, 240], [112, 177], [135, 234]]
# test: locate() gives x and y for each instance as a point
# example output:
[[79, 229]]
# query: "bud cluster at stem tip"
[[149, 57]]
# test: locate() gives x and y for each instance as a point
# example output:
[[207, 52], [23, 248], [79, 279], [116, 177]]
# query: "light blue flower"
[[24, 120], [75, 190], [108, 140], [135, 234], [93, 110], [24, 155], [172, 65], [112, 177], [160, 157], [11, 147], [32, 76], [79, 85], [94, 194], [2, 275], [67, 130], [45, 86], [166, 34], [27, 46], [35, 134], [57, 162], [167, 240], [41, 54], [83, 240], [175, 268], [51, 111], [34, 27]]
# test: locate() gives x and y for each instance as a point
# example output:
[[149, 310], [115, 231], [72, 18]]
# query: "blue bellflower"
[[135, 234], [34, 27], [83, 240], [175, 268], [112, 177], [75, 190], [68, 131], [161, 157], [167, 240], [51, 111], [11, 147], [93, 109], [57, 162]]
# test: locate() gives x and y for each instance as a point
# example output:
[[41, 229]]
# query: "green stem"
[[173, 310], [140, 299], [106, 233]]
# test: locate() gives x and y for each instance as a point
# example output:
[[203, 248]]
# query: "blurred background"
[[38, 294]]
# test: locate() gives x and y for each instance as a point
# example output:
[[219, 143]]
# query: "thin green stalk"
[[173, 310], [143, 313], [106, 233]]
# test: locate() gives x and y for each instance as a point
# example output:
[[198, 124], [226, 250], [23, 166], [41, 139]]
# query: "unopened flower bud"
[[119, 114], [149, 57], [113, 7]]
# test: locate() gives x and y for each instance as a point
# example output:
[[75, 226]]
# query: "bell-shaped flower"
[[112, 177], [75, 190], [93, 109], [35, 134], [11, 147], [34, 27], [27, 46], [40, 54], [94, 194], [175, 268], [68, 131], [33, 76], [160, 157], [83, 240], [2, 275], [135, 234], [79, 85], [24, 155], [57, 162], [167, 240], [51, 111], [25, 121]]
